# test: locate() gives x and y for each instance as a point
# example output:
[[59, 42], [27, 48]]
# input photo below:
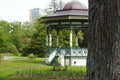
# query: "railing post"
[[57, 38], [50, 38], [76, 40], [47, 37]]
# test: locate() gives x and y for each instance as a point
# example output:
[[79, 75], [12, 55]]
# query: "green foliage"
[[11, 37], [65, 67], [37, 41], [80, 35], [56, 66], [53, 6], [19, 67], [1, 56], [31, 56], [54, 33], [49, 74], [10, 67], [28, 29], [16, 34], [12, 49], [6, 44], [64, 38]]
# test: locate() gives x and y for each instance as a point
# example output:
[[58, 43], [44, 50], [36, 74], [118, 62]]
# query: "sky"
[[18, 10]]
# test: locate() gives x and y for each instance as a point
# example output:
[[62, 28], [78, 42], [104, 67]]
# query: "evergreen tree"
[[6, 44], [53, 6], [37, 40], [16, 34], [60, 4]]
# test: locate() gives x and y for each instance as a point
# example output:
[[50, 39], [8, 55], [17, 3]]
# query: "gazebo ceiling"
[[73, 10]]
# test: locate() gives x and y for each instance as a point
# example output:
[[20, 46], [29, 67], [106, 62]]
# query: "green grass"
[[22, 66]]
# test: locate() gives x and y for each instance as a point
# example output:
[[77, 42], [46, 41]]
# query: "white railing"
[[73, 52], [62, 52], [61, 57], [51, 57], [80, 52]]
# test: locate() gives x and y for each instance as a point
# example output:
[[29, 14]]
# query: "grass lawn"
[[25, 69]]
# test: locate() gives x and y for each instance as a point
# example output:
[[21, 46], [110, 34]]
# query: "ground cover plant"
[[22, 68]]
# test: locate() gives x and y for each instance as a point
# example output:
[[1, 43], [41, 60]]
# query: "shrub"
[[58, 67], [66, 68], [31, 56], [12, 49]]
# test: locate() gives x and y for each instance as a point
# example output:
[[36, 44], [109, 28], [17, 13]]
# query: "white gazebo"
[[73, 17]]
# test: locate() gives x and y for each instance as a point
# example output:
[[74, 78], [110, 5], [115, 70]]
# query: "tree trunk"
[[103, 62]]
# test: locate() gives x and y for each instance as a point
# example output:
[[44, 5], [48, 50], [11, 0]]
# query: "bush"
[[66, 68], [12, 49], [58, 67], [31, 56]]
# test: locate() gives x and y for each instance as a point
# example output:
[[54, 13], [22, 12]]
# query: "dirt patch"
[[7, 57]]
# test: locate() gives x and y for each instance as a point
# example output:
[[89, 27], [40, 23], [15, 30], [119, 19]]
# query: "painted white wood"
[[76, 40], [47, 40], [71, 38], [51, 56], [57, 40], [61, 59], [50, 40], [67, 62], [78, 62]]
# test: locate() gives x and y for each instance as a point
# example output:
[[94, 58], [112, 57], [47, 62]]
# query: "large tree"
[[103, 61]]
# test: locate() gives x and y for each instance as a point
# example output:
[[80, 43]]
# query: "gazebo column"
[[71, 38], [50, 38], [76, 39], [70, 45], [47, 36], [57, 38], [47, 43]]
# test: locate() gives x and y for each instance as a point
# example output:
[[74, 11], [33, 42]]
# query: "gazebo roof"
[[72, 5], [73, 10]]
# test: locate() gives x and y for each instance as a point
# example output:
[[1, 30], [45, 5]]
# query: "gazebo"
[[73, 17]]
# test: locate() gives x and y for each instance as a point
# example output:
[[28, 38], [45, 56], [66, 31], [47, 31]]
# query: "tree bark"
[[103, 62]]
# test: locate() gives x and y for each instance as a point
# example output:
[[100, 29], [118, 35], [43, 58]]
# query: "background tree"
[[16, 34], [53, 6], [103, 61], [60, 4], [28, 29], [36, 44], [6, 44]]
